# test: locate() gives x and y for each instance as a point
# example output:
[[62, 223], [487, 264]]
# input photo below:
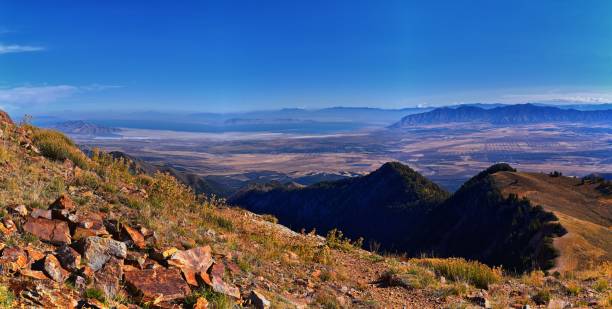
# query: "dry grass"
[[456, 269], [57, 146]]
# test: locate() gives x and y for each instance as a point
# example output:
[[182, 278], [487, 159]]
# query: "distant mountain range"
[[80, 127], [504, 115], [489, 219]]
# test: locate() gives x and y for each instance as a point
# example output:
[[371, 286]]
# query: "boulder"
[[63, 202], [34, 274], [91, 220], [218, 285], [13, 259], [108, 279], [54, 269], [157, 285], [41, 213], [191, 262], [258, 300], [33, 254], [82, 233], [69, 258], [53, 231], [46, 295], [134, 237], [97, 251]]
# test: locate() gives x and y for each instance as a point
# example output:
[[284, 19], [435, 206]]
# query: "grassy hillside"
[[253, 258], [583, 209]]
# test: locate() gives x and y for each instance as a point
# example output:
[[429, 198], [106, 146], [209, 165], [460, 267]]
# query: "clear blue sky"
[[246, 55]]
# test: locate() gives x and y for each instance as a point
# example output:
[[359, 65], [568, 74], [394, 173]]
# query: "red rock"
[[191, 262], [87, 272], [82, 233], [52, 231], [13, 259], [54, 269], [218, 285], [69, 258], [108, 279], [63, 202], [41, 213], [34, 274], [34, 254], [206, 279], [157, 285], [134, 236]]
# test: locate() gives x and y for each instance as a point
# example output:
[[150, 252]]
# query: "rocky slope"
[[79, 232]]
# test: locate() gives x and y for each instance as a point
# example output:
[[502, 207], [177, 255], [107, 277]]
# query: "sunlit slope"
[[583, 210]]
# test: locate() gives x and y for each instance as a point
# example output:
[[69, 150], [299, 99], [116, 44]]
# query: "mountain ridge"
[[504, 115]]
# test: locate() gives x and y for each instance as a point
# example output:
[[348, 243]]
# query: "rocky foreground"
[[85, 232]]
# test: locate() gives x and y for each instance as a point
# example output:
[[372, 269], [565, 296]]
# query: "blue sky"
[[249, 55]]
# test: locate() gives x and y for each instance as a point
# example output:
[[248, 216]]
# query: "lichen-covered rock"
[[191, 262], [41, 213], [157, 285], [53, 231], [13, 259], [45, 295], [218, 285], [54, 269], [34, 274], [97, 251], [69, 258], [108, 279]]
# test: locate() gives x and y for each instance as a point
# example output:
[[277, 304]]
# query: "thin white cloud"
[[573, 97], [10, 49], [23, 95]]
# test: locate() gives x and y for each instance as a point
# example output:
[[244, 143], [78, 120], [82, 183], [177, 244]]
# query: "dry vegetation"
[[290, 269]]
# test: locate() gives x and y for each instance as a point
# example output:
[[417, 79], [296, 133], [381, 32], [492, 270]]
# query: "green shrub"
[[6, 297], [95, 294], [542, 297], [412, 277], [215, 300], [601, 285], [57, 146], [336, 240], [457, 269]]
